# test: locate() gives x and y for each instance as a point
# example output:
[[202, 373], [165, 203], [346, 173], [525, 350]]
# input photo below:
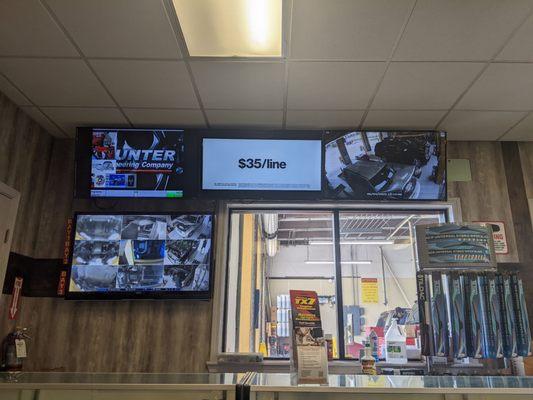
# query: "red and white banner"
[[15, 298]]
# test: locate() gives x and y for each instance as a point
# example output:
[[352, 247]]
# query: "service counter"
[[117, 386], [392, 387], [258, 386]]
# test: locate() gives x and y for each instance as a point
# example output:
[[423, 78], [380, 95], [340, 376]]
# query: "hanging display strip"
[[449, 247], [487, 311]]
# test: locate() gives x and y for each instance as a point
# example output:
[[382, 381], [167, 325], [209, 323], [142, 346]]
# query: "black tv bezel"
[[141, 295], [337, 133], [83, 160], [281, 195]]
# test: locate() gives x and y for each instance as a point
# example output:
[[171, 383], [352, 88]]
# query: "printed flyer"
[[455, 246], [309, 355]]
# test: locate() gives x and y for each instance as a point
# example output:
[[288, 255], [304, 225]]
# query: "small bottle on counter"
[[329, 346], [368, 363], [373, 339]]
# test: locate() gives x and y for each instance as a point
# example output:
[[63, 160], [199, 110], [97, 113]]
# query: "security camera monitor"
[[385, 165], [134, 163], [141, 256]]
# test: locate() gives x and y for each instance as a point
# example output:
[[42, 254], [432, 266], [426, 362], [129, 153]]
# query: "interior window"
[[379, 274], [274, 251]]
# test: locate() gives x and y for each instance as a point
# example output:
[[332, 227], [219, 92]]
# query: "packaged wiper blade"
[[494, 315], [488, 325], [457, 311], [423, 313], [475, 344], [507, 315], [439, 316], [523, 334]]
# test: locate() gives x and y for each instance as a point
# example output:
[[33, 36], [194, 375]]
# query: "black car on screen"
[[410, 151], [376, 179]]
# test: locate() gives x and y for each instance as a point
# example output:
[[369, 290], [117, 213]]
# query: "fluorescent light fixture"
[[342, 262], [374, 242], [231, 28]]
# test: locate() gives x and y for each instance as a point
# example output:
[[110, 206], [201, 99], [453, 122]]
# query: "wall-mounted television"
[[379, 165], [262, 165], [112, 162], [123, 256]]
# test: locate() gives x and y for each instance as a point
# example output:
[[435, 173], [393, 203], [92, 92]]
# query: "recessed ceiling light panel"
[[231, 28]]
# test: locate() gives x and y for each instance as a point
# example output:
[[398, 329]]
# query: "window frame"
[[451, 210]]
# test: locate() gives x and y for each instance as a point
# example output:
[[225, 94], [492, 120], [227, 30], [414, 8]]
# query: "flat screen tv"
[[378, 165], [281, 166], [141, 256], [134, 163]]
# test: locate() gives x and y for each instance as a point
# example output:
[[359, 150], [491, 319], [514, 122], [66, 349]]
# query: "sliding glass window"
[[361, 264]]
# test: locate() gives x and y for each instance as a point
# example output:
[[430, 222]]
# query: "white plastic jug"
[[395, 348]]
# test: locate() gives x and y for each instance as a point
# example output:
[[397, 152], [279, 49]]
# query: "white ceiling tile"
[[521, 132], [68, 118], [346, 29], [158, 84], [424, 85], [479, 125], [141, 117], [404, 119], [501, 87], [244, 85], [56, 82], [26, 29], [460, 29], [35, 114], [332, 85], [13, 93], [118, 28], [311, 119], [519, 47], [245, 118]]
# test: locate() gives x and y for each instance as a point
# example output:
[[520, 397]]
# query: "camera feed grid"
[[141, 253]]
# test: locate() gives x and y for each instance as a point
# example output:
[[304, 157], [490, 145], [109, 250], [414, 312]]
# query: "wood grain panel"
[[57, 203], [526, 159], [123, 336], [26, 153], [486, 197]]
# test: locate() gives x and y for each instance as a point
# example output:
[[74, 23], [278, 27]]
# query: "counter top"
[[397, 384], [266, 382], [88, 381]]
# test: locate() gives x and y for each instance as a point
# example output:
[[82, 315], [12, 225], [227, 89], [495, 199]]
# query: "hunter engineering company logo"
[[159, 161], [137, 159]]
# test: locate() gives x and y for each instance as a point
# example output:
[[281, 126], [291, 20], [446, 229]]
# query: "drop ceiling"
[[461, 66]]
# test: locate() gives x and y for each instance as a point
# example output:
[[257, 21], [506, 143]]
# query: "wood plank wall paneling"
[[526, 158], [522, 222], [57, 202], [120, 336], [24, 164], [486, 197]]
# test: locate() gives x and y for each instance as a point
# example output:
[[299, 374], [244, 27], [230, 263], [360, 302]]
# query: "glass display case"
[[392, 387], [116, 386], [257, 386]]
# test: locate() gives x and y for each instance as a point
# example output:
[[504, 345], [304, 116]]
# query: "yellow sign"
[[369, 290]]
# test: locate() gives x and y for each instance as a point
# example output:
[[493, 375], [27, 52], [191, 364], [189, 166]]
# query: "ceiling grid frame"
[[515, 27], [82, 57]]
